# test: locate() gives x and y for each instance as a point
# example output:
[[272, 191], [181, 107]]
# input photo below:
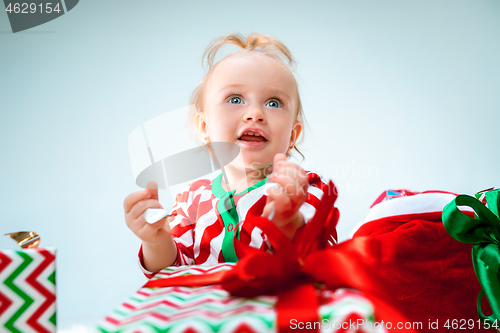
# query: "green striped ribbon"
[[484, 232], [229, 214]]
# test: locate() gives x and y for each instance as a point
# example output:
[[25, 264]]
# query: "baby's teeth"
[[251, 133]]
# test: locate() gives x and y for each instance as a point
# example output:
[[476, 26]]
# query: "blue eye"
[[274, 104], [235, 100]]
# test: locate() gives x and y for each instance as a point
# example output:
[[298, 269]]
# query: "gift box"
[[212, 309], [484, 231], [309, 283], [28, 290], [481, 196], [393, 194]]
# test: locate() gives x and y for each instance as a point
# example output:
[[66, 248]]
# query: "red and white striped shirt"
[[200, 224]]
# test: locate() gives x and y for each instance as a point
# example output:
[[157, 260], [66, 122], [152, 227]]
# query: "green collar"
[[229, 215], [219, 192]]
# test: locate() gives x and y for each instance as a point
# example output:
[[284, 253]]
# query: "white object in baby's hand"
[[268, 186], [153, 215]]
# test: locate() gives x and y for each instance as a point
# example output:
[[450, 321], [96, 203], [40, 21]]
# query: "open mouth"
[[252, 137]]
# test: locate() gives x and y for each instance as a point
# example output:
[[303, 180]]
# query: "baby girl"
[[249, 98]]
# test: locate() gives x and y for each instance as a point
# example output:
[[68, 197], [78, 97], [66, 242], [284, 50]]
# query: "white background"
[[397, 94]]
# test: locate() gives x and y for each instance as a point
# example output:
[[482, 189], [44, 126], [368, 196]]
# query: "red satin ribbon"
[[298, 305], [290, 271]]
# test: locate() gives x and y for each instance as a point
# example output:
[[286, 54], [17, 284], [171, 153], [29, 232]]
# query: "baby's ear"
[[296, 130], [201, 126]]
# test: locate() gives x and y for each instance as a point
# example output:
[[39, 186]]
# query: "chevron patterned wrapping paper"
[[28, 290], [212, 309]]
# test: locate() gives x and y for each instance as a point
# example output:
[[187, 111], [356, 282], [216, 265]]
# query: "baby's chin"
[[258, 167], [248, 166]]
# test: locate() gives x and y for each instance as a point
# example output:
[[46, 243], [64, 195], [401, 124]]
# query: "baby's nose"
[[255, 118], [255, 114]]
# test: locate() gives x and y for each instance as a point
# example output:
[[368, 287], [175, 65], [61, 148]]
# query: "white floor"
[[78, 324]]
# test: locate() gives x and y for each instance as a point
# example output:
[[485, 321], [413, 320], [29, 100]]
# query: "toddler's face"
[[251, 100]]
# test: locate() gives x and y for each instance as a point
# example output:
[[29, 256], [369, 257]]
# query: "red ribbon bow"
[[291, 271]]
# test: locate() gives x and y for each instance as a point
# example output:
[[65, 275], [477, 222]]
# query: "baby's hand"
[[289, 197], [135, 205]]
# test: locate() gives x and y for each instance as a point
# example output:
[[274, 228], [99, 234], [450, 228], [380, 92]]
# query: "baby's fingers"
[[292, 170], [268, 209], [152, 187], [134, 218], [134, 198], [140, 207], [282, 203], [150, 230], [290, 186], [278, 158]]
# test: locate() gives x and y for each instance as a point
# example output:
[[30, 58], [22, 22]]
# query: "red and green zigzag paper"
[[212, 309], [27, 291]]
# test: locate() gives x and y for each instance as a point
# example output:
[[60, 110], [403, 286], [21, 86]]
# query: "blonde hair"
[[258, 43]]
